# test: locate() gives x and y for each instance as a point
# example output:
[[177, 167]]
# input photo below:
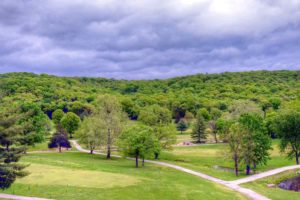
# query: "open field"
[[206, 158], [73, 175], [274, 193]]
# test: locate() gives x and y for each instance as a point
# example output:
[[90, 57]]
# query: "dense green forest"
[[180, 95]]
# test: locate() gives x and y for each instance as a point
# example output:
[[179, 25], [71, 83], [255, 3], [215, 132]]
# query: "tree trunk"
[[71, 136], [59, 149], [156, 156], [92, 151], [248, 170], [137, 160], [236, 165], [297, 158], [254, 165], [108, 144], [216, 139], [143, 162]]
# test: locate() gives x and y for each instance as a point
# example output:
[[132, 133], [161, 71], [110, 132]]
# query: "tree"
[[256, 143], [275, 103], [110, 111], [10, 131], [235, 141], [205, 114], [223, 128], [265, 105], [70, 122], [138, 141], [160, 119], [92, 132], [59, 139], [288, 129], [57, 115], [182, 125], [199, 129]]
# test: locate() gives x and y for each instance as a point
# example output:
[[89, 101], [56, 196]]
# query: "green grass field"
[[274, 193], [75, 175], [205, 158]]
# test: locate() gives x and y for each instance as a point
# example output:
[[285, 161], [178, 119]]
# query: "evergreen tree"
[[181, 125], [199, 134]]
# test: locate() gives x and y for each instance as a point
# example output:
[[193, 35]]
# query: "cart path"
[[230, 184], [17, 197]]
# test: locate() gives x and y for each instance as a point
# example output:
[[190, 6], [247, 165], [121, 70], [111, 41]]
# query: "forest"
[[249, 112]]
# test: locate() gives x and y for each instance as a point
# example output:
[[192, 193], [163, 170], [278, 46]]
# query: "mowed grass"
[[76, 175], [274, 193], [205, 158]]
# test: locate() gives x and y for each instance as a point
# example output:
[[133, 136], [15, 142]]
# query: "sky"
[[148, 39]]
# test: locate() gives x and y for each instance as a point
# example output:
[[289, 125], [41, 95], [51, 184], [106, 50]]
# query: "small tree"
[[57, 115], [138, 141], [92, 132], [288, 129], [182, 125], [59, 139], [213, 128], [70, 122], [199, 129]]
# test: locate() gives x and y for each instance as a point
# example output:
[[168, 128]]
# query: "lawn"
[[274, 193], [209, 158], [75, 175]]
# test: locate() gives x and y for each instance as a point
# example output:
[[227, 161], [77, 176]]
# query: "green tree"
[[256, 144], [235, 141], [110, 111], [160, 119], [199, 133], [92, 132], [138, 141], [70, 122], [288, 129], [182, 125], [10, 131], [205, 114], [57, 115]]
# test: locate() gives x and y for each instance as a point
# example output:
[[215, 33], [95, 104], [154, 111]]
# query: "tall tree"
[[92, 132], [70, 122], [235, 141], [199, 134], [256, 143], [288, 129], [110, 110], [10, 132]]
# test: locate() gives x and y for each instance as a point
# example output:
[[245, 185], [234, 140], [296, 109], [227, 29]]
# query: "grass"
[[75, 175], [205, 158], [274, 193]]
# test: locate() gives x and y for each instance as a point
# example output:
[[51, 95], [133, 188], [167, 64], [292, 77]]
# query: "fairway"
[[74, 175]]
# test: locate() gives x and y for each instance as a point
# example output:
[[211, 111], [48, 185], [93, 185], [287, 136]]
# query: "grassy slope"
[[204, 157], [275, 193], [75, 175]]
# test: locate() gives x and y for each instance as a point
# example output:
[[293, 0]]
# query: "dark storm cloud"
[[136, 39]]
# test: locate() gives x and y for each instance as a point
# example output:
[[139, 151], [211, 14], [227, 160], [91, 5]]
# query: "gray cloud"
[[148, 39]]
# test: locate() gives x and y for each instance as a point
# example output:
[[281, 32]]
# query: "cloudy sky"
[[146, 39]]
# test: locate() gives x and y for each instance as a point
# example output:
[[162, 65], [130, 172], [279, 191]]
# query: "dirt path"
[[231, 184]]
